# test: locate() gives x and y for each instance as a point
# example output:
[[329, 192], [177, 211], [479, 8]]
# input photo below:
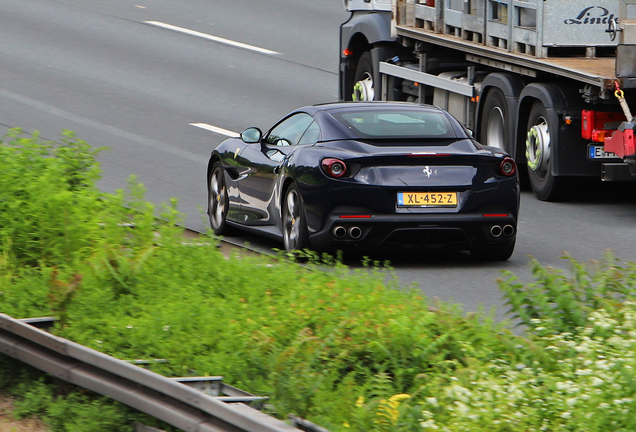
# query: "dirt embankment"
[[9, 423]]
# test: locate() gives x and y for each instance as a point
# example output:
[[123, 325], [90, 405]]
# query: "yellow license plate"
[[427, 199]]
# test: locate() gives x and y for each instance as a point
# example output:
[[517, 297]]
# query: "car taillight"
[[508, 167], [334, 167]]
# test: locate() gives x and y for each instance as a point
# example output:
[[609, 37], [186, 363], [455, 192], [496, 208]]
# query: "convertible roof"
[[330, 118], [358, 106]]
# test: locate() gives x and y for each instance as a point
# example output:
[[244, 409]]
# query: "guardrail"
[[164, 398]]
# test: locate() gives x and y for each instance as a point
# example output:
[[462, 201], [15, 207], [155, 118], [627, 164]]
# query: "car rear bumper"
[[456, 231]]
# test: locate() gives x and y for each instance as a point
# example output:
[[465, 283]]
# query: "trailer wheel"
[[541, 139], [495, 121], [363, 85]]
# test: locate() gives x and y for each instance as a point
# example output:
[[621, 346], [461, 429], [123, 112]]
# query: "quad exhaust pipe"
[[341, 232], [497, 230], [355, 232]]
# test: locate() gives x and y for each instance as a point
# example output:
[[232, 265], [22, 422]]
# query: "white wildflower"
[[427, 415], [429, 424], [462, 408], [460, 393], [583, 347], [596, 381], [432, 401], [602, 365]]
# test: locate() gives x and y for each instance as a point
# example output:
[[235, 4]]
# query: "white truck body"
[[367, 5]]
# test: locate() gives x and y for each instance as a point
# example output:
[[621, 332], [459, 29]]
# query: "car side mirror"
[[471, 132], [251, 135]]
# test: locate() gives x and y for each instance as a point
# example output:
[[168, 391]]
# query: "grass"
[[349, 350]]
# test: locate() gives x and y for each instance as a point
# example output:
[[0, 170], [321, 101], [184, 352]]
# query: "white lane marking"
[[216, 129], [210, 37]]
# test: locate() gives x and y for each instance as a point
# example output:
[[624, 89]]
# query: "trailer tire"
[[495, 120], [541, 142], [363, 82]]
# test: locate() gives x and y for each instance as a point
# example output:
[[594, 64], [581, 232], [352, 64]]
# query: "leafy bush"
[[49, 205], [565, 303], [578, 372]]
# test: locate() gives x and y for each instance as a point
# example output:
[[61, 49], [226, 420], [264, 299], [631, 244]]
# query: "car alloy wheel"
[[217, 200], [294, 225]]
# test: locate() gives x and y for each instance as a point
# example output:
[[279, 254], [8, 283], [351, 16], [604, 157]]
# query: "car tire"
[[493, 253], [363, 82], [295, 234], [218, 201], [541, 142]]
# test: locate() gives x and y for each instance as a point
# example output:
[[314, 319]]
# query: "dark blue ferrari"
[[365, 176]]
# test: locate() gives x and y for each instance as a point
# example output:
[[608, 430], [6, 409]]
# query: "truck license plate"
[[597, 152]]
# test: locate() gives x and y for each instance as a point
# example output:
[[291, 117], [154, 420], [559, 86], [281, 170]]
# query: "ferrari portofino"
[[366, 175]]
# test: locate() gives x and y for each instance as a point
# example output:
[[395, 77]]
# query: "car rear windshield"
[[397, 124]]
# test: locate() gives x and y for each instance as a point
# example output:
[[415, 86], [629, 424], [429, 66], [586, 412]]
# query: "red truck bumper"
[[622, 141]]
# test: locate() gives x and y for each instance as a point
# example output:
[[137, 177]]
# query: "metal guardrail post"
[[306, 425]]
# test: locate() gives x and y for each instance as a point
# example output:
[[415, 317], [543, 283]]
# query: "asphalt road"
[[134, 76]]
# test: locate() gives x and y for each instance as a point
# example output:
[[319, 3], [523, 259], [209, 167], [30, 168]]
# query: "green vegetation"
[[344, 349]]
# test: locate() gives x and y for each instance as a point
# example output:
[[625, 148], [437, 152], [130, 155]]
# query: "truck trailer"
[[548, 81]]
